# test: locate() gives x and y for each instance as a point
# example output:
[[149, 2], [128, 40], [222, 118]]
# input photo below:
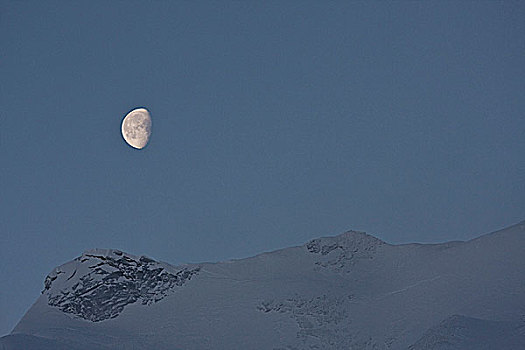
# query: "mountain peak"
[[101, 282], [108, 253], [350, 240], [345, 249]]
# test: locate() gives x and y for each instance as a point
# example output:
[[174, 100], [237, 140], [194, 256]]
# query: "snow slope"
[[351, 291], [468, 333]]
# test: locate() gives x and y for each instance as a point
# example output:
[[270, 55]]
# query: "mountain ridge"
[[352, 290]]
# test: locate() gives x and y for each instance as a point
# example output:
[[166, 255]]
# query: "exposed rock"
[[100, 283], [341, 251]]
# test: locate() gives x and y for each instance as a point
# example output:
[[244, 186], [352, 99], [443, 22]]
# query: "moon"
[[136, 128]]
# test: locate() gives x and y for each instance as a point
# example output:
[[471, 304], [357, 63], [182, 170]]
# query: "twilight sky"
[[273, 124]]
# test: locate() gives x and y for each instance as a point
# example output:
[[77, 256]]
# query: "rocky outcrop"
[[100, 283], [340, 252]]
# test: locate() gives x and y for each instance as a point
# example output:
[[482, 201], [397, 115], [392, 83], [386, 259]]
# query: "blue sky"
[[273, 124]]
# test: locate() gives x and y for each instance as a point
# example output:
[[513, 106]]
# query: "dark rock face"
[[340, 252], [110, 282]]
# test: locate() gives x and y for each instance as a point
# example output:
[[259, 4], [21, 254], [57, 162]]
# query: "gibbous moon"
[[136, 128]]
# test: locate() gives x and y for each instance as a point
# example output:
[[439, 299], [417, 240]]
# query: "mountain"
[[351, 291]]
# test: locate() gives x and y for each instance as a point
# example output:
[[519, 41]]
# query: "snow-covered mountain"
[[351, 291]]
